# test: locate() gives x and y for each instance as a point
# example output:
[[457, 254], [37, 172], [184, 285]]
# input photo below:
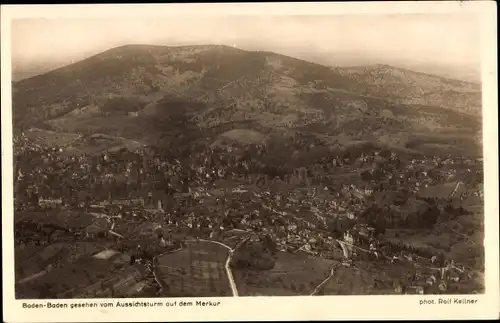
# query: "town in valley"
[[141, 223], [209, 171]]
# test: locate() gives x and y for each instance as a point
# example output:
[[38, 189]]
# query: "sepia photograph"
[[194, 158]]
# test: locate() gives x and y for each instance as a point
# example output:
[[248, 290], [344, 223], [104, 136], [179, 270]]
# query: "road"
[[344, 249], [332, 272], [34, 276], [455, 190], [334, 267]]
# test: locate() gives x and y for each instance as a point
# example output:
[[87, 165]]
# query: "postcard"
[[250, 161]]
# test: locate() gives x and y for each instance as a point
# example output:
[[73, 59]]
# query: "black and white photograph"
[[243, 155]]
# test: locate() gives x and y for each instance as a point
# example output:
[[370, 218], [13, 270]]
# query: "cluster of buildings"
[[122, 189]]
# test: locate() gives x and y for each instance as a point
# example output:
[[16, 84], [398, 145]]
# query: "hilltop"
[[154, 94]]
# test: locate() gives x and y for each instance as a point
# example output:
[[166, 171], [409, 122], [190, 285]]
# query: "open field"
[[445, 143], [244, 136], [50, 138], [56, 282], [458, 236], [123, 281], [31, 260], [365, 278], [293, 274], [197, 270]]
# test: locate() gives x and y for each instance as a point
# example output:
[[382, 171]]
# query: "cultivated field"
[[59, 281], [196, 270], [365, 278], [31, 260]]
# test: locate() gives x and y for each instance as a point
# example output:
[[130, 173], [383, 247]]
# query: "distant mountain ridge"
[[405, 86], [143, 92], [385, 68]]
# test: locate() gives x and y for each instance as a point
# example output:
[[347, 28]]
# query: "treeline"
[[255, 255], [425, 217], [122, 105], [29, 231], [33, 109], [424, 252]]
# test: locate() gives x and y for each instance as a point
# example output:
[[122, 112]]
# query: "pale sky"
[[438, 39]]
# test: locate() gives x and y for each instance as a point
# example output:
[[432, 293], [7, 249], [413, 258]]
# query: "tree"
[[379, 228], [270, 244], [401, 198], [385, 153], [334, 228], [339, 225], [366, 176], [34, 199], [430, 216]]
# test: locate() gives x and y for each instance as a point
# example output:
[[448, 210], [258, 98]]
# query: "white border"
[[268, 308]]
